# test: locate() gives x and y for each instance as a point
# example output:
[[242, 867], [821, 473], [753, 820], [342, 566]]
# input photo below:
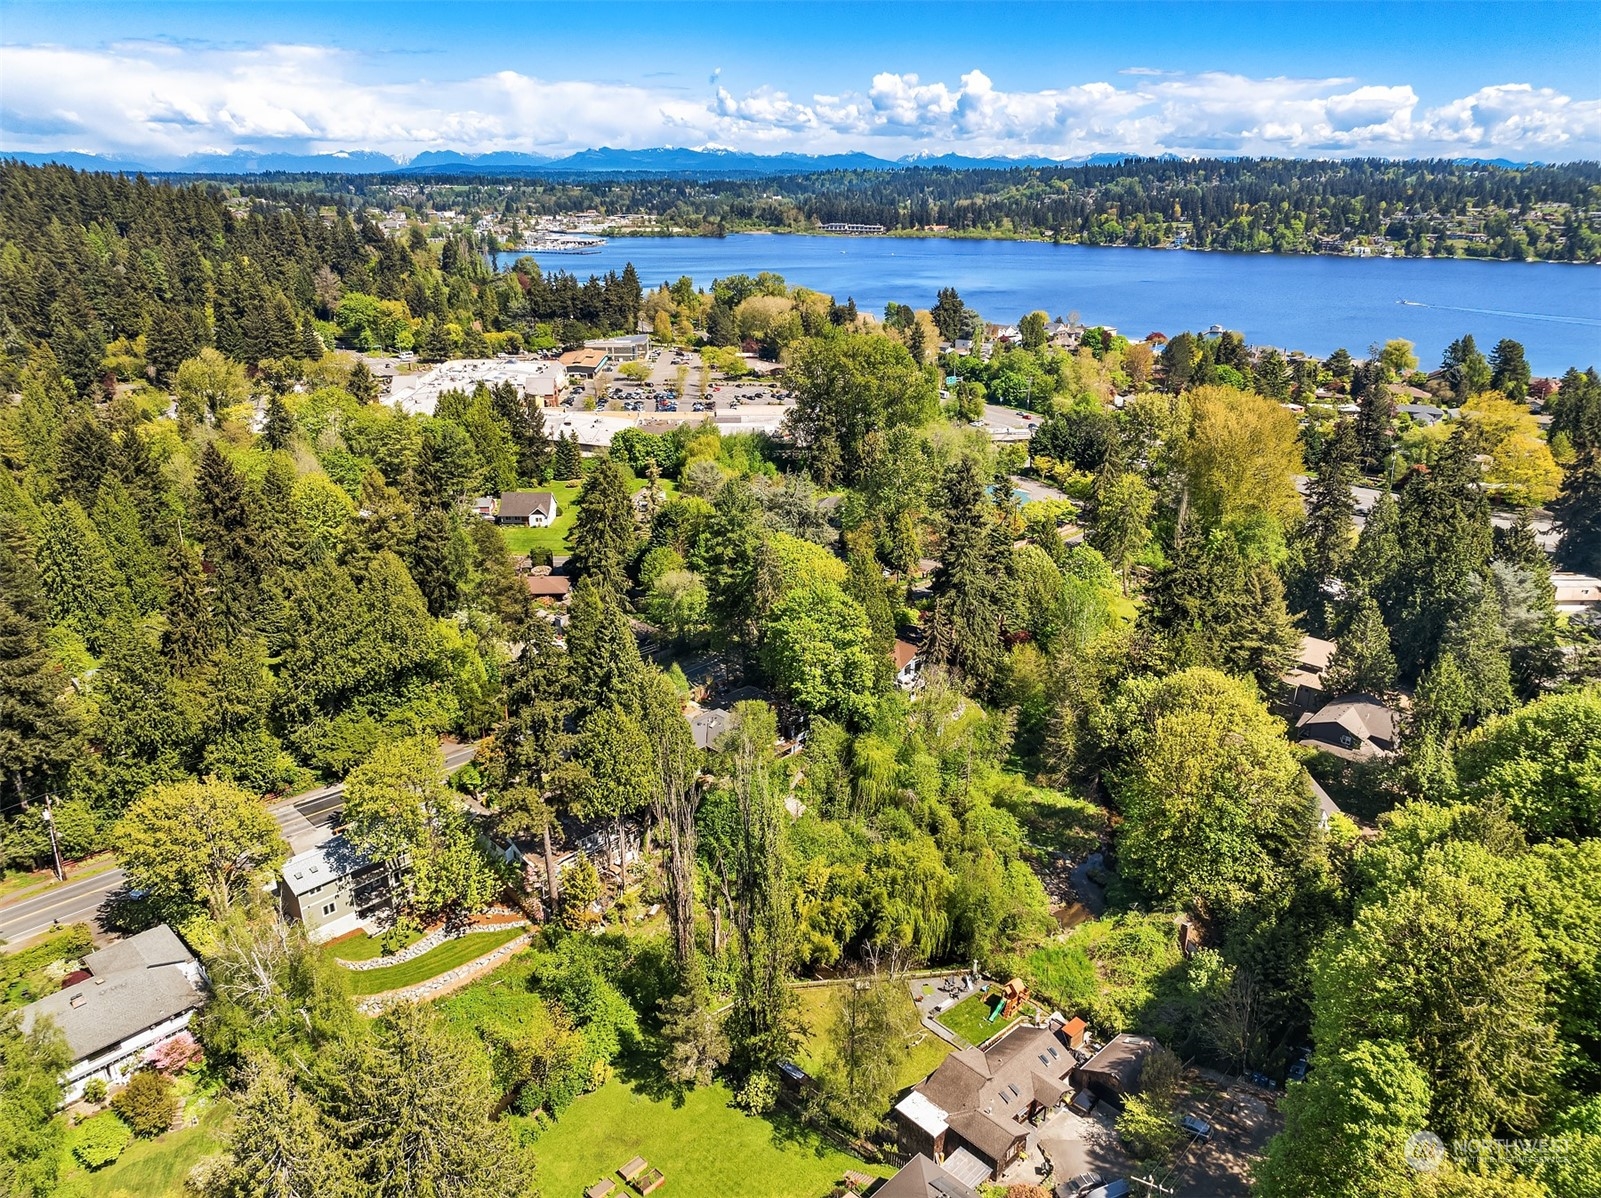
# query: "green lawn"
[[554, 538], [152, 1168], [705, 1147], [817, 1013], [970, 1018], [363, 947], [431, 964]]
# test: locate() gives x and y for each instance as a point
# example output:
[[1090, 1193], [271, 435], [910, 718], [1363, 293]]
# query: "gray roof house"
[[141, 992], [1355, 728], [334, 889], [1114, 1072], [922, 1178], [708, 725]]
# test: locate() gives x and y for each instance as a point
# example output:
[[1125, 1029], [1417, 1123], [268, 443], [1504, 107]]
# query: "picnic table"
[[857, 1181]]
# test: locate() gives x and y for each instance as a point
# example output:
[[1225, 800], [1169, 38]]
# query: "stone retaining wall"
[[433, 940], [436, 986]]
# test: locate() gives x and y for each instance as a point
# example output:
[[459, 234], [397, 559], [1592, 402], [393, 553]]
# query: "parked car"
[[1112, 1189], [1074, 1186], [1259, 1078], [1197, 1127]]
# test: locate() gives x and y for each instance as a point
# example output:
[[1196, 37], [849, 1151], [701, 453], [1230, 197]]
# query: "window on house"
[[1005, 1099], [1013, 1089], [329, 908], [1044, 1060]]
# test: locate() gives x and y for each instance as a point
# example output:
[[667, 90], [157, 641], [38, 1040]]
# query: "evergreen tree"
[[1324, 543], [1375, 418], [363, 384], [279, 430], [282, 1145], [604, 533], [84, 589], [1509, 369], [569, 458], [39, 725], [1466, 369], [1363, 661], [601, 649], [1578, 514], [414, 1112], [970, 586], [1444, 548]]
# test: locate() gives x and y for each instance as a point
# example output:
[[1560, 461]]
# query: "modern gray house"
[[334, 889]]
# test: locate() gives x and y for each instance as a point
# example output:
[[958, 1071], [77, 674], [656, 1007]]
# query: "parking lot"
[[677, 383]]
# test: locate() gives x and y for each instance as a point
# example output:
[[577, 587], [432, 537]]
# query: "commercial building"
[[633, 348]]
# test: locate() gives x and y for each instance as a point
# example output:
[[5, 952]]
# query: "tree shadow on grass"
[[640, 1066]]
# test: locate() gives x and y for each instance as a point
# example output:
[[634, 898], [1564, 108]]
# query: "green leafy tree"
[[817, 651], [207, 384], [147, 1103], [1362, 661], [871, 1026], [1324, 543], [189, 843], [1215, 806], [1543, 762], [1347, 1125], [31, 1133]]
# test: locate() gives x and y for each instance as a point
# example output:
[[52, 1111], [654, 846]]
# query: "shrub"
[[147, 1103], [1146, 1131], [100, 1139], [94, 1090], [758, 1094]]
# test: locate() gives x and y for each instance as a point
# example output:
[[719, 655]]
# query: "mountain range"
[[665, 161]]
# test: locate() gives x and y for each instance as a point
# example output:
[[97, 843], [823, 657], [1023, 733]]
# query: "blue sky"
[[161, 80]]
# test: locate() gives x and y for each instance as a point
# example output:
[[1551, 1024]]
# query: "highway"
[[305, 819]]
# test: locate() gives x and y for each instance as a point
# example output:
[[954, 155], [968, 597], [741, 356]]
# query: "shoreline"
[[924, 235]]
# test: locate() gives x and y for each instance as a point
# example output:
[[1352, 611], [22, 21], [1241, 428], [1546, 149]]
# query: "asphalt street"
[[305, 819]]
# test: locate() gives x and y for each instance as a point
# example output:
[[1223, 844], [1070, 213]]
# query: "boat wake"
[[1545, 317]]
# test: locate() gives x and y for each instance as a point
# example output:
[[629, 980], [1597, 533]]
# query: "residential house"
[[585, 363], [1422, 413], [634, 348], [908, 661], [1113, 1073], [1355, 728], [135, 996], [526, 509], [1576, 594], [922, 1178], [334, 889], [547, 584], [980, 1103], [708, 725], [1327, 808], [1303, 682]]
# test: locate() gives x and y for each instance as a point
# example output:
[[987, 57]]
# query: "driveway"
[[1075, 1144]]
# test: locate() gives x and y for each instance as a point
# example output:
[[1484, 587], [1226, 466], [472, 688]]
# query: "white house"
[[531, 509], [908, 661], [139, 994]]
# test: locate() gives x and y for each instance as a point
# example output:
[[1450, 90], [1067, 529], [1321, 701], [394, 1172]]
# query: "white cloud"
[[165, 99]]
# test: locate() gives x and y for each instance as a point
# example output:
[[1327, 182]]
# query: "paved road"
[[305, 819], [1544, 531]]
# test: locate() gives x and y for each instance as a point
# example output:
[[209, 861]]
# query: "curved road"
[[305, 819]]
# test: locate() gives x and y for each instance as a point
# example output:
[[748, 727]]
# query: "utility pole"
[[55, 848], [1153, 1186]]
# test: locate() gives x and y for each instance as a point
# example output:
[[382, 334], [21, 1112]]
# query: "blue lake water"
[[1316, 304]]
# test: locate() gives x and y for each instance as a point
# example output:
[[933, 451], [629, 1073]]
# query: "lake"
[[1316, 304]]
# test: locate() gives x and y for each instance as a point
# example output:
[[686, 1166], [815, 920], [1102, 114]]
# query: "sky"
[[155, 82]]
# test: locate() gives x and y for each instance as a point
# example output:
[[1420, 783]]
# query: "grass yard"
[[152, 1168], [554, 539], [817, 1013], [362, 947], [431, 964], [704, 1147], [970, 1018]]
